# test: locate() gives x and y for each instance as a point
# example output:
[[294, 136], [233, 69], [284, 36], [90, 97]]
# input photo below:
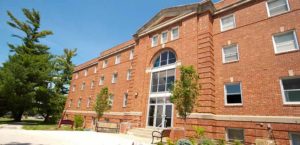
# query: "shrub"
[[221, 142], [78, 121], [207, 142], [199, 131], [170, 142], [159, 143], [184, 142], [237, 142]]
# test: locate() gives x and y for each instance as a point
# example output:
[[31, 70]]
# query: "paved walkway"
[[15, 135]]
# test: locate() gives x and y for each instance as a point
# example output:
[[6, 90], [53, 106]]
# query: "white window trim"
[[125, 99], [295, 37], [152, 42], [85, 72], [111, 100], [128, 76], [104, 63], [88, 105], [83, 86], [290, 136], [221, 24], [164, 67], [79, 102], [76, 76], [95, 69], [101, 82], [225, 95], [113, 80], [172, 37], [118, 59], [268, 10], [92, 84], [161, 38], [70, 103], [73, 88], [227, 138], [131, 54], [283, 95], [238, 53]]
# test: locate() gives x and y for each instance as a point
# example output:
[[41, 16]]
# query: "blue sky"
[[91, 26]]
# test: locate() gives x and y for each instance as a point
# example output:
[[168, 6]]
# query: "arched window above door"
[[165, 58]]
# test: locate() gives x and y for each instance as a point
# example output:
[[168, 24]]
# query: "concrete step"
[[141, 132]]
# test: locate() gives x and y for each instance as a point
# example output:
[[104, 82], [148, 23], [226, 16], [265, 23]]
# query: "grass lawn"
[[33, 124]]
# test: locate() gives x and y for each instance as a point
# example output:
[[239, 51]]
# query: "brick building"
[[246, 53]]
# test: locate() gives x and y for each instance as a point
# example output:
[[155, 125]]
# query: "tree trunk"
[[17, 116], [46, 118]]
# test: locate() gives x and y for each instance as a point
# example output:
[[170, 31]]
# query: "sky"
[[91, 26]]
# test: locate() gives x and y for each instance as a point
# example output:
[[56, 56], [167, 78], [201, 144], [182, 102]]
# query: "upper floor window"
[[70, 103], [234, 134], [162, 81], [233, 94], [295, 138], [154, 40], [104, 63], [85, 72], [95, 69], [92, 84], [165, 58], [276, 7], [73, 88], [89, 102], [131, 54], [290, 88], [101, 82], [111, 100], [164, 37], [114, 78], [175, 33], [118, 59], [76, 76], [82, 86], [285, 42], [125, 99], [128, 74], [230, 54], [79, 102], [227, 22]]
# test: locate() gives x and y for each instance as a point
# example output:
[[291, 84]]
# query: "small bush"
[[184, 142], [207, 142], [237, 142], [199, 131], [221, 142], [159, 143], [170, 142], [78, 121]]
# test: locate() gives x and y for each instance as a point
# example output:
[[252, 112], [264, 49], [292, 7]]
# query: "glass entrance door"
[[160, 112]]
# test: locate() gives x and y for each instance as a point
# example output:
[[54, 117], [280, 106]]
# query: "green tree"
[[102, 102], [29, 67], [185, 91]]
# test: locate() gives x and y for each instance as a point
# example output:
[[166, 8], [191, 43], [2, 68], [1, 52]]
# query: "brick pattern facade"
[[200, 44]]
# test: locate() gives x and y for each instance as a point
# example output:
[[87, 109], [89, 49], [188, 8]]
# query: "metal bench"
[[107, 126], [161, 134]]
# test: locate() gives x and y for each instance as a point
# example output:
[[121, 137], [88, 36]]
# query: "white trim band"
[[106, 113]]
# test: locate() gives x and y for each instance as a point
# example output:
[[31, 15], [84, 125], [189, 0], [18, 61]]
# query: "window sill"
[[270, 16], [236, 61], [228, 29], [285, 52], [291, 104], [233, 105]]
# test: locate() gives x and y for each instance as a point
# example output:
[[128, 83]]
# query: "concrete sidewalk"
[[14, 135]]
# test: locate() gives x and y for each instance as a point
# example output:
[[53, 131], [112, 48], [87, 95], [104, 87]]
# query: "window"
[[164, 37], [118, 59], [104, 63], [111, 100], [76, 76], [131, 54], [163, 80], [82, 86], [129, 74], [73, 88], [165, 58], [70, 103], [227, 22], [85, 72], [125, 99], [114, 78], [230, 54], [79, 102], [175, 33], [92, 84], [290, 88], [233, 94], [89, 102], [101, 82], [154, 40], [276, 7], [285, 42], [295, 138], [235, 134], [95, 69]]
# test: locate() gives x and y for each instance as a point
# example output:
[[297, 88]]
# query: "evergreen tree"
[[29, 68]]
